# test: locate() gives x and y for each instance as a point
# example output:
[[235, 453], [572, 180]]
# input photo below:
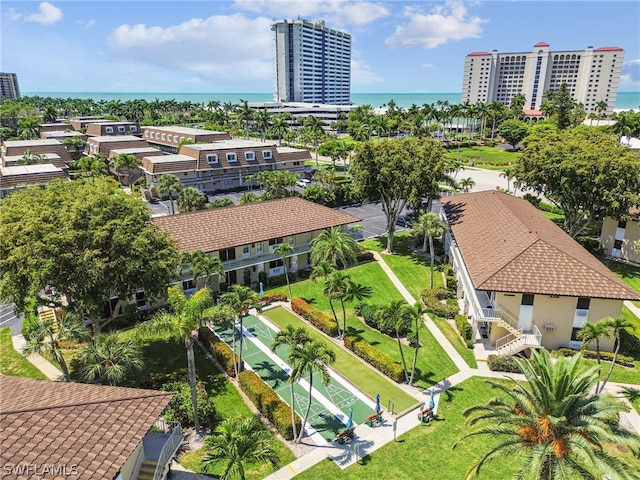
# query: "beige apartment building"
[[523, 281], [592, 75], [620, 238], [107, 128], [104, 144], [168, 139]]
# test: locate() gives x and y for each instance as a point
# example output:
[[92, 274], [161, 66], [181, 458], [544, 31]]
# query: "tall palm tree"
[[397, 313], [191, 199], [32, 158], [415, 315], [283, 251], [262, 121], [279, 126], [313, 126], [334, 246], [28, 128], [616, 326], [126, 162], [237, 442], [46, 335], [430, 226], [293, 338], [553, 424], [593, 332], [354, 291], [335, 288], [169, 184], [240, 299], [322, 270], [186, 316], [245, 115], [108, 358], [201, 265], [467, 184], [315, 357]]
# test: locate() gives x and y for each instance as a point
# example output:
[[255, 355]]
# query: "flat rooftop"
[[184, 130], [233, 143], [125, 151], [178, 157], [29, 169], [116, 138], [31, 143]]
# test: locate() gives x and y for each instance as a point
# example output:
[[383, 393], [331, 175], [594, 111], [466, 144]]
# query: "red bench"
[[344, 436], [374, 420], [425, 415]]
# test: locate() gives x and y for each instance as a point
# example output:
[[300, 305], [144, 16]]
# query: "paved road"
[[8, 318]]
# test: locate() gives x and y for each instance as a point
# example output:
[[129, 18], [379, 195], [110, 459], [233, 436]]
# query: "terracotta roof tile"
[[509, 246], [219, 228], [92, 426]]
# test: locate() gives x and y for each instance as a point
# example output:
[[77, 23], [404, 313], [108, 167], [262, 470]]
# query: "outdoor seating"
[[374, 420], [426, 415], [344, 436]]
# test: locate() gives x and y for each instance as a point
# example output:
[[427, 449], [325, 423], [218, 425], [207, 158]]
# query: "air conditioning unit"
[[549, 327]]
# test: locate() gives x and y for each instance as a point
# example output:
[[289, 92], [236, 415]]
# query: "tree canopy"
[[397, 171], [513, 131], [583, 171], [91, 242]]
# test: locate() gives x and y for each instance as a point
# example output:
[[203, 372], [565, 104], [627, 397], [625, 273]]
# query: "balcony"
[[265, 257], [160, 444]]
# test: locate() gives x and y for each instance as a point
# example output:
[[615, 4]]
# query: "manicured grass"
[[485, 157], [356, 372], [630, 274], [620, 374], [454, 338], [556, 218], [14, 364]]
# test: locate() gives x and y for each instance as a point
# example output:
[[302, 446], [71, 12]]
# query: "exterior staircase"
[[517, 340], [147, 470], [48, 314]]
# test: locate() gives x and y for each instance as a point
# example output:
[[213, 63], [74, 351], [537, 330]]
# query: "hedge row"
[[502, 364], [218, 349], [268, 402], [431, 299], [314, 316], [268, 298], [607, 356], [465, 329], [380, 360]]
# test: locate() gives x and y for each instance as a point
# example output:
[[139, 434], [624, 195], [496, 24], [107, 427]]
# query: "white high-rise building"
[[312, 63], [9, 85], [592, 75]]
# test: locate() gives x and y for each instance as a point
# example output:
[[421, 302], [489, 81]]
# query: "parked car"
[[404, 221], [303, 183]]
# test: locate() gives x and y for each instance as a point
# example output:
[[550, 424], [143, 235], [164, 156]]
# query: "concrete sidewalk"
[[631, 306], [38, 361]]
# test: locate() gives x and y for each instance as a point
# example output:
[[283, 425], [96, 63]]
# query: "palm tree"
[[293, 338], [334, 246], [93, 166], [199, 264], [245, 115], [593, 332], [241, 299], [354, 291], [279, 126], [237, 442], [126, 162], [191, 200], [553, 423], [415, 315], [616, 326], [249, 197], [314, 357], [46, 335], [313, 126], [108, 358], [322, 270], [509, 174], [283, 251], [397, 313], [74, 145], [32, 158], [186, 317], [169, 184], [430, 227], [262, 120], [28, 128], [467, 184], [335, 287]]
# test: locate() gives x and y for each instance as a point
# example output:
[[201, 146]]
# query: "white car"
[[303, 183]]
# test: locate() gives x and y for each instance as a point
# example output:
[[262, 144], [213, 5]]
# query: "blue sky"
[[225, 46]]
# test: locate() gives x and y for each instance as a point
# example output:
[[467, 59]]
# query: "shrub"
[[380, 360], [180, 408], [502, 364], [358, 307], [219, 350], [279, 280], [220, 202], [431, 299], [268, 298], [535, 201], [465, 329], [157, 380], [269, 403], [364, 256], [607, 356], [452, 284], [314, 316]]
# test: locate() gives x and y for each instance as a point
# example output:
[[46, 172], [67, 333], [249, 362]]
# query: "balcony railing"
[[499, 314], [266, 257], [174, 429]]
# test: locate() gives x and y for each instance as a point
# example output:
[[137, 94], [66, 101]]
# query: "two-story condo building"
[[105, 144], [105, 128], [223, 164], [524, 282], [621, 238], [168, 139], [244, 236]]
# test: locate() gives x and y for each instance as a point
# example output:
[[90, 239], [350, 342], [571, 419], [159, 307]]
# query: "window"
[[121, 129], [140, 299], [133, 128], [176, 139], [267, 154], [164, 137], [622, 224], [583, 303], [212, 158], [574, 333], [275, 263], [617, 244], [249, 155], [146, 134], [245, 249], [275, 241], [527, 299], [188, 284], [232, 157], [109, 129], [228, 254]]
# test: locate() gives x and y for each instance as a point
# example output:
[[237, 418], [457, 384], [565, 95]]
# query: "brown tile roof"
[[219, 228], [509, 246], [52, 424]]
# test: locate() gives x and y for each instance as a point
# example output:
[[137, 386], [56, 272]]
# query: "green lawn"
[[454, 338], [356, 372], [485, 157], [433, 363], [12, 363], [630, 274]]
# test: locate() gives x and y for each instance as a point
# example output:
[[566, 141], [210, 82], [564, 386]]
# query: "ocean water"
[[624, 100]]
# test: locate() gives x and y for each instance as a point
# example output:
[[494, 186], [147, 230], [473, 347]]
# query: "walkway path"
[[38, 361], [631, 306]]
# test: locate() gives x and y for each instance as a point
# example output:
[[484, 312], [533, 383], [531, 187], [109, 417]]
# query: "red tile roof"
[[509, 246], [52, 424], [219, 228], [608, 49], [541, 44], [478, 54]]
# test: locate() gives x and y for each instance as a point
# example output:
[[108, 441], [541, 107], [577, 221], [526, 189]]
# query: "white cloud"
[[335, 12], [218, 49], [445, 23], [362, 73], [86, 23], [427, 65], [48, 14], [11, 14], [630, 75]]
